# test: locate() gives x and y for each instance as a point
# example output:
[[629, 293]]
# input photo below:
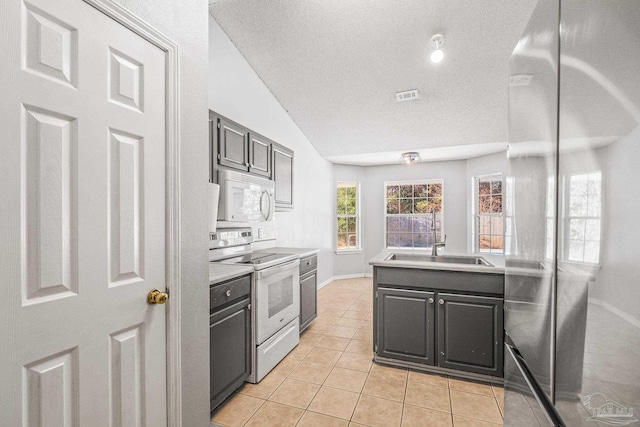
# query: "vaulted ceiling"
[[335, 66]]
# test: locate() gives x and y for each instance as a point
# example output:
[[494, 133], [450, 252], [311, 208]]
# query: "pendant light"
[[410, 158], [437, 55]]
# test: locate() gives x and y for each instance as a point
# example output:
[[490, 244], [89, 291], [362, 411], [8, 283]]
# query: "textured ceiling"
[[335, 66]]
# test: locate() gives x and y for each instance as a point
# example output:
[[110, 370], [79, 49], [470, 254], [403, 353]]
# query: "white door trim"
[[172, 176]]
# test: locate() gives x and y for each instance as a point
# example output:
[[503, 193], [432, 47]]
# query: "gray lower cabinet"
[[440, 321], [229, 338], [406, 321], [470, 333], [308, 291]]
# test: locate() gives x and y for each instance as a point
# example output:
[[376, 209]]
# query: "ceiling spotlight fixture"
[[410, 158], [437, 55]]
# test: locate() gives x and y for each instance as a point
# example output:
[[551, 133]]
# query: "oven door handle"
[[275, 270]]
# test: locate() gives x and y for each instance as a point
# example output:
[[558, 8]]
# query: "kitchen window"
[[348, 216], [489, 222], [409, 207], [582, 206]]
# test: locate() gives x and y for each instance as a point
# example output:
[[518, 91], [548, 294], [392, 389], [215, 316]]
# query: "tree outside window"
[[409, 207], [348, 221]]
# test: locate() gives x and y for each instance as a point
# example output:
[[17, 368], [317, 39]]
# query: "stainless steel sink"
[[472, 260]]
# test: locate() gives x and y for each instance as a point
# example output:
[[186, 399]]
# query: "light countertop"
[[497, 261], [301, 252], [221, 272]]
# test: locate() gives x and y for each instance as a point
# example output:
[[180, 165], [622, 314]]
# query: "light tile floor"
[[329, 380]]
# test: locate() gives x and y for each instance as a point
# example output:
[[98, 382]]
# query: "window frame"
[[565, 246], [357, 216], [386, 215], [476, 215]]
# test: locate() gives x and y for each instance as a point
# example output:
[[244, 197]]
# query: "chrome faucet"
[[435, 245]]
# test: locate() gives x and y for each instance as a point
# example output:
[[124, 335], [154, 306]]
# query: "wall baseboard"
[[343, 276], [621, 314]]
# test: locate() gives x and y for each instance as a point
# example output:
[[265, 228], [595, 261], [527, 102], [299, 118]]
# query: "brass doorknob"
[[157, 297]]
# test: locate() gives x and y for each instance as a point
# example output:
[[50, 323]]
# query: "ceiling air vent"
[[407, 95]]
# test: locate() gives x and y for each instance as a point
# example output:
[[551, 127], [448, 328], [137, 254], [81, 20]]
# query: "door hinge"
[[249, 307], [219, 125], [376, 294], [375, 348], [218, 156]]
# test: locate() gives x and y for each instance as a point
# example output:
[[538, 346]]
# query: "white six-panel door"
[[82, 180]]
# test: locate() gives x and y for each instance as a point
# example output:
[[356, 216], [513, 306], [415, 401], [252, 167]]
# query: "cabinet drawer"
[[308, 264], [229, 291]]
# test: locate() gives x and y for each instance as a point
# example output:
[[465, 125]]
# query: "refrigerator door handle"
[[550, 411]]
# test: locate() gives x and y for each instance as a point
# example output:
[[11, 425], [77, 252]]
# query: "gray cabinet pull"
[[430, 300], [441, 301], [228, 292]]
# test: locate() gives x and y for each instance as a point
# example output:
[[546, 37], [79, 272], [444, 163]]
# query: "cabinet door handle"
[[229, 292], [430, 300], [440, 301]]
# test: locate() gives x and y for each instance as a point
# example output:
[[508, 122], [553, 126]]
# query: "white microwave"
[[245, 198]]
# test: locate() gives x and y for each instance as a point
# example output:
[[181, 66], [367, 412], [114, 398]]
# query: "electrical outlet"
[[260, 233]]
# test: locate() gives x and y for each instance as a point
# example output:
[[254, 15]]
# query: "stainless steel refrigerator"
[[572, 213]]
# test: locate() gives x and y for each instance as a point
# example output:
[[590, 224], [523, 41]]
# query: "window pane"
[[496, 204], [435, 190], [496, 187], [421, 240], [496, 225], [398, 224], [484, 204], [578, 185], [342, 225], [351, 225], [496, 244], [420, 224], [592, 231], [593, 208], [420, 190], [392, 192], [595, 183], [484, 225], [353, 241], [420, 205], [576, 250], [435, 203], [341, 192], [350, 206], [393, 206], [351, 192], [484, 242], [406, 190], [577, 205], [484, 187], [341, 207], [404, 240], [406, 207], [576, 229], [342, 240]]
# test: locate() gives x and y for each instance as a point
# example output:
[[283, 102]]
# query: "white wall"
[[236, 91], [617, 282], [186, 24]]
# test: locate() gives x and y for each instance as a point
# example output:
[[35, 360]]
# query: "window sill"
[[349, 251]]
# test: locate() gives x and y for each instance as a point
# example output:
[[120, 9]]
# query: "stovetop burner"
[[257, 258]]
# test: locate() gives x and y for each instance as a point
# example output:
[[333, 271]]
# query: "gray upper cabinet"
[[470, 333], [406, 325], [233, 145], [283, 176], [259, 155]]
